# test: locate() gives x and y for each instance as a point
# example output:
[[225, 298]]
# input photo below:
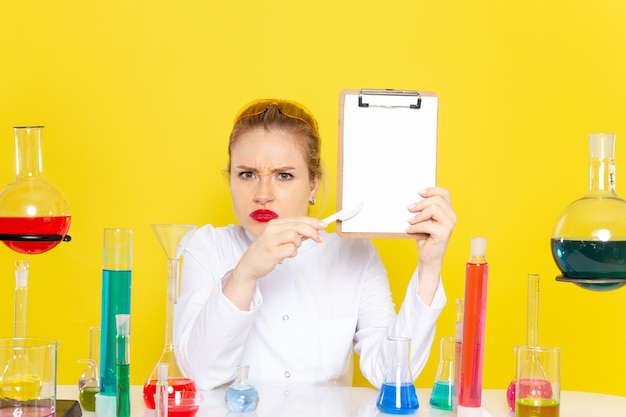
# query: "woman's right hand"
[[281, 239]]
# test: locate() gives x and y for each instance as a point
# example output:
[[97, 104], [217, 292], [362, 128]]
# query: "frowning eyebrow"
[[252, 169]]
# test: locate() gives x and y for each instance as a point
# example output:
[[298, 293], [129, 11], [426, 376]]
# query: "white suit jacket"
[[305, 318]]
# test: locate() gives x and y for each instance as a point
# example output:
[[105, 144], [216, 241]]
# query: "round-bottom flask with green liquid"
[[589, 240]]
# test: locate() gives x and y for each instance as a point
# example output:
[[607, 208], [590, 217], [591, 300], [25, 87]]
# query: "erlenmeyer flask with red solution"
[[34, 214], [173, 238], [538, 384]]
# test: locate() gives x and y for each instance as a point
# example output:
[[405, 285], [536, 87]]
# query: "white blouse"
[[305, 318]]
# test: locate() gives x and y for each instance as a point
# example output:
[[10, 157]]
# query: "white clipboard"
[[387, 153]]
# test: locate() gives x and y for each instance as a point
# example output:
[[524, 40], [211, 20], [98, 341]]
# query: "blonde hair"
[[288, 116]]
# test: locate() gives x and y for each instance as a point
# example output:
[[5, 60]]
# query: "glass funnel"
[[589, 241], [34, 214], [173, 238]]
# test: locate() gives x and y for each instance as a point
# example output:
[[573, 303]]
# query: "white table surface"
[[361, 402]]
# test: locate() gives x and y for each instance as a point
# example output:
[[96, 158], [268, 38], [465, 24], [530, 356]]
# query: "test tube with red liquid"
[[472, 348]]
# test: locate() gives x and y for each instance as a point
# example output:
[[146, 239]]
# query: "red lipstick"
[[263, 216]]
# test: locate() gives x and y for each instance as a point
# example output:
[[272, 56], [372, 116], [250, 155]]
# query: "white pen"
[[344, 214]]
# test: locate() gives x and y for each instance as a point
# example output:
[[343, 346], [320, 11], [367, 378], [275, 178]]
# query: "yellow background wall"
[[138, 97]]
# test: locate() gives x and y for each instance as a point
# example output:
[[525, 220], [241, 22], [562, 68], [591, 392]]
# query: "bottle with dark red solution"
[[34, 214], [540, 384]]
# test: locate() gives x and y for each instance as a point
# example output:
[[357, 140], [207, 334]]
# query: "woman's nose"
[[264, 192]]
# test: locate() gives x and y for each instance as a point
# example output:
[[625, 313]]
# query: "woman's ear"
[[315, 185]]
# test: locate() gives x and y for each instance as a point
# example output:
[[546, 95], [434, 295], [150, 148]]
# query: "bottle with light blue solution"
[[241, 396], [397, 394]]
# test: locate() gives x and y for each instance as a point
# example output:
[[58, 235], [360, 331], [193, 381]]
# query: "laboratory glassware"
[[536, 400], [458, 346], [18, 396], [443, 389], [21, 298], [117, 258], [89, 379], [473, 347], [241, 396], [122, 364], [161, 397], [397, 395], [589, 240], [532, 339], [173, 239], [19, 368], [34, 214], [187, 404]]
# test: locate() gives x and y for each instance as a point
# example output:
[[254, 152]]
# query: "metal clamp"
[[389, 98]]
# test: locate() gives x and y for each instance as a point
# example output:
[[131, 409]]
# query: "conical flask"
[[589, 240], [442, 394], [173, 238], [540, 382], [34, 214], [397, 394]]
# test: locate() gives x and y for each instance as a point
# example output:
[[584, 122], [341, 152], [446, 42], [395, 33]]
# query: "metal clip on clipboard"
[[392, 99]]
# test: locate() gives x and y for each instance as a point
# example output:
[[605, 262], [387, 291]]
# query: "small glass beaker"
[[538, 377], [28, 379], [397, 394], [443, 389]]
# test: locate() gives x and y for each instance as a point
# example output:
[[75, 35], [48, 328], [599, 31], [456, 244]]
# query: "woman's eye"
[[246, 175], [284, 176]]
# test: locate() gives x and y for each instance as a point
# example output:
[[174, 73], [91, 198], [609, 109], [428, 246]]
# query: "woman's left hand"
[[435, 218]]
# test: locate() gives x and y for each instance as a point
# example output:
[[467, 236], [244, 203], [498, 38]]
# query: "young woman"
[[280, 294]]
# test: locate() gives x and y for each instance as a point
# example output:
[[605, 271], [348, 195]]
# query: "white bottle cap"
[[21, 274], [122, 322], [162, 371], [602, 145], [479, 247]]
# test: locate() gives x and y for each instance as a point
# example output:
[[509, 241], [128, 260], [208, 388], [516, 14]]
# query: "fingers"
[[297, 227], [433, 220], [437, 197], [434, 214], [281, 239], [286, 244]]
